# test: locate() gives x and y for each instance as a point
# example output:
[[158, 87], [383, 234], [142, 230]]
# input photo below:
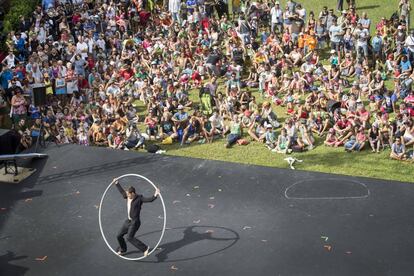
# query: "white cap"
[[180, 107], [277, 3]]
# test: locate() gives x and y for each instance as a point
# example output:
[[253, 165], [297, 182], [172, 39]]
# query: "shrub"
[[11, 18], [17, 8]]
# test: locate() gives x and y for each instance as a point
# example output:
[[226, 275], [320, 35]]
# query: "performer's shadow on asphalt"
[[190, 236], [7, 268]]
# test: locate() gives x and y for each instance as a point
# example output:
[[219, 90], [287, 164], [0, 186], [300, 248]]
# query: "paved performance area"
[[222, 219]]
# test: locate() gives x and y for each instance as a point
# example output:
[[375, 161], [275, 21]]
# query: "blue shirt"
[[335, 33], [405, 65], [394, 97], [5, 77], [190, 5], [34, 112], [397, 148], [376, 43], [20, 44], [365, 22], [181, 116]]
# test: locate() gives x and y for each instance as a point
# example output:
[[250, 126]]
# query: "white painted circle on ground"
[[100, 221], [300, 182]]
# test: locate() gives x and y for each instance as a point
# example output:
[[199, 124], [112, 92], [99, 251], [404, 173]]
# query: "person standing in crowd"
[[18, 103], [340, 5], [102, 61], [405, 11], [276, 15]]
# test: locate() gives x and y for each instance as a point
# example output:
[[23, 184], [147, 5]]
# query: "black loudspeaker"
[[39, 95], [332, 105], [9, 142]]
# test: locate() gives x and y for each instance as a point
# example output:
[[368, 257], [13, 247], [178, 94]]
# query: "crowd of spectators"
[[191, 69]]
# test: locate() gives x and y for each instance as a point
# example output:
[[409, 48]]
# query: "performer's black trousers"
[[130, 227]]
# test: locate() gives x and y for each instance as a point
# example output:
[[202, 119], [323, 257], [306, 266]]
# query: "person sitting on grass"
[[362, 114], [134, 139], [257, 129], [180, 118], [408, 136], [99, 138], [207, 130], [282, 143], [294, 142], [119, 124], [217, 123], [270, 137], [69, 132], [331, 139], [374, 138], [119, 141], [343, 127], [235, 132], [111, 139], [398, 150], [192, 131], [269, 115], [82, 138], [357, 142], [167, 127], [306, 134], [151, 123]]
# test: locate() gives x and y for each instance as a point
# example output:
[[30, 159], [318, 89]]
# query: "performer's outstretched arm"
[[120, 189], [151, 199]]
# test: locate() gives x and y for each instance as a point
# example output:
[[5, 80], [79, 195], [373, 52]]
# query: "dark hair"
[[131, 190]]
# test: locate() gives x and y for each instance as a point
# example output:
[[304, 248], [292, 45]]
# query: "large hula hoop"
[[100, 221]]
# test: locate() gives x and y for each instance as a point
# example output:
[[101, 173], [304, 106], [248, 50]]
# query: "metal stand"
[[41, 139], [10, 167]]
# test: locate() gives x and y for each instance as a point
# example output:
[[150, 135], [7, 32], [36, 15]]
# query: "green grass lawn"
[[321, 159]]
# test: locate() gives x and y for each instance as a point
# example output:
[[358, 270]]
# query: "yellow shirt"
[[49, 88], [68, 132]]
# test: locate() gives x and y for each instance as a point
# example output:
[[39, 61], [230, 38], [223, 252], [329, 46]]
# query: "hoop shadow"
[[190, 236]]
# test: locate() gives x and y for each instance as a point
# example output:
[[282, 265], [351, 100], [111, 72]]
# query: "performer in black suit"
[[133, 222]]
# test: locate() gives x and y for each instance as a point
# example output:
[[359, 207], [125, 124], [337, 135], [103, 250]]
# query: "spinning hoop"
[[100, 222]]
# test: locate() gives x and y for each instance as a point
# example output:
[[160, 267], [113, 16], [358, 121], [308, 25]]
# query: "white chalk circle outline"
[[100, 221], [327, 198]]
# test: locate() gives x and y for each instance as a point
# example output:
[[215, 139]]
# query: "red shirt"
[[75, 19], [83, 84], [343, 124], [205, 23], [126, 74], [91, 63]]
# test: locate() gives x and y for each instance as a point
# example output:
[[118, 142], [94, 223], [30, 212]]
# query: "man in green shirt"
[[235, 131]]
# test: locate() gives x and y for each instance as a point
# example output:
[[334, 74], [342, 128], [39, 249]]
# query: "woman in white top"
[[10, 60]]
